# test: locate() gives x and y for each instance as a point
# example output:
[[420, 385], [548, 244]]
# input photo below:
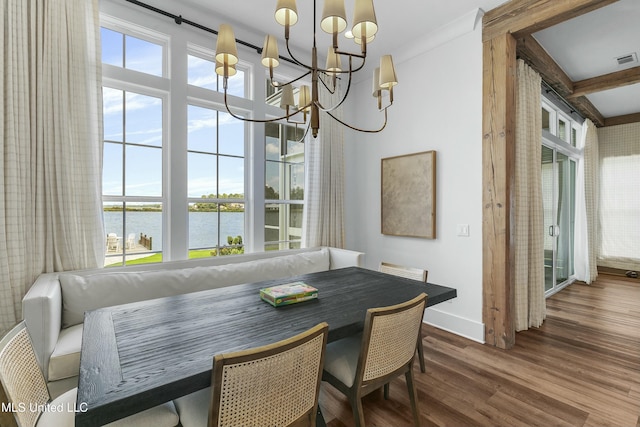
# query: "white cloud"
[[195, 125], [201, 186]]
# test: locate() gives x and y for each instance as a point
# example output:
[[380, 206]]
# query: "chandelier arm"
[[246, 119], [327, 110], [294, 58], [331, 91], [322, 70], [276, 84], [344, 97], [306, 132], [351, 56], [358, 129], [358, 68]]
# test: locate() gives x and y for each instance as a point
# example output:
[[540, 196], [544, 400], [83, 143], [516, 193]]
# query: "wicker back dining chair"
[[362, 363], [272, 385], [24, 391], [414, 274], [402, 271]]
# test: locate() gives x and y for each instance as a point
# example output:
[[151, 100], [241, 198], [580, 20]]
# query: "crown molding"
[[465, 24]]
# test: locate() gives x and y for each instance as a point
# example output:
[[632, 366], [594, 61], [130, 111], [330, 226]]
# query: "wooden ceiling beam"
[[588, 110], [522, 17], [605, 82], [622, 120], [529, 49], [533, 54]]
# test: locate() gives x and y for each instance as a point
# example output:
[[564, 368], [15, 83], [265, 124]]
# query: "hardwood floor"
[[581, 368]]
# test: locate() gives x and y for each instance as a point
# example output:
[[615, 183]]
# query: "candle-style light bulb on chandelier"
[[333, 21]]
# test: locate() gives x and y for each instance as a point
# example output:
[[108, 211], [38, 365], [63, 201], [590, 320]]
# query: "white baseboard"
[[455, 324]]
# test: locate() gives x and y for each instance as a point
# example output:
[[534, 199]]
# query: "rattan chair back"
[[274, 385], [386, 351], [402, 271], [415, 274], [389, 338], [23, 387]]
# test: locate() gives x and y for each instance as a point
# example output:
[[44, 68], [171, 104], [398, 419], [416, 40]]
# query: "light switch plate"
[[463, 230]]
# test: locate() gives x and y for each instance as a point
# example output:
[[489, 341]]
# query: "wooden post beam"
[[498, 163], [501, 27]]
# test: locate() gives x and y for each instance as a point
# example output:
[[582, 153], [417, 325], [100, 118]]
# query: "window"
[[575, 130], [619, 202], [284, 186], [546, 119], [133, 153], [215, 181], [132, 53], [563, 129], [559, 166], [179, 178], [559, 123], [202, 73]]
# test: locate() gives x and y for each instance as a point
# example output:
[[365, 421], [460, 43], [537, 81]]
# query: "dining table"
[[139, 355]]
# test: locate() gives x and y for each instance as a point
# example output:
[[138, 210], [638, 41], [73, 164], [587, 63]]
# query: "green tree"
[[297, 193], [270, 193]]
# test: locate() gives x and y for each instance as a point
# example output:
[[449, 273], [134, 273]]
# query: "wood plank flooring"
[[581, 368]]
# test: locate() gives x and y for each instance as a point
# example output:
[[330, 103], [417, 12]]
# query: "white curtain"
[[586, 225], [324, 188], [528, 232], [50, 136]]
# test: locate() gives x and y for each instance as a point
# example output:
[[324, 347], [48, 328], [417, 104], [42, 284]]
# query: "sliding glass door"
[[558, 194]]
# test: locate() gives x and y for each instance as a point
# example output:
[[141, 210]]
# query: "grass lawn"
[[202, 253]]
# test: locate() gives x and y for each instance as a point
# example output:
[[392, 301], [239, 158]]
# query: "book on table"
[[289, 293]]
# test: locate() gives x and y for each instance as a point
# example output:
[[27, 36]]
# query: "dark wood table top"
[[139, 355]]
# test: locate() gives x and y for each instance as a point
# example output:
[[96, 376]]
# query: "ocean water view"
[[203, 227]]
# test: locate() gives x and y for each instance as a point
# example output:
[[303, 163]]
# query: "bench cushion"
[[65, 359], [82, 293]]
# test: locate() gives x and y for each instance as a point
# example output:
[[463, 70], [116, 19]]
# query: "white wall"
[[438, 106]]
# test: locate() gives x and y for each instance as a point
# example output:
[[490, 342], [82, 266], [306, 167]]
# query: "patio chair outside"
[[113, 243], [131, 240]]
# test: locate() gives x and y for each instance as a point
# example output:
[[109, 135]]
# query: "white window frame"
[[553, 141], [285, 178], [552, 115], [128, 80], [178, 42]]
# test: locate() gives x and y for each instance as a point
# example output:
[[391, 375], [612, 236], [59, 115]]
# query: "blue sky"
[[137, 119]]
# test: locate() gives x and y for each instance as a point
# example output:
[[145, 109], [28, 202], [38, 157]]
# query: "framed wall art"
[[408, 202]]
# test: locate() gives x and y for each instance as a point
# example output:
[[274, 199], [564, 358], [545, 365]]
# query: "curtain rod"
[[180, 20], [572, 110]]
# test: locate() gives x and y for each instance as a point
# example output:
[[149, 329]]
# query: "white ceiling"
[[587, 46], [583, 47], [400, 22]]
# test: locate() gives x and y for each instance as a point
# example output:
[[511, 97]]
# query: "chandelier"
[[333, 22]]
